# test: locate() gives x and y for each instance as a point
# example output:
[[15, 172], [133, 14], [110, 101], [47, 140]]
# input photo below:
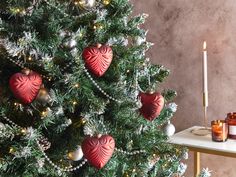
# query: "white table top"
[[186, 138]]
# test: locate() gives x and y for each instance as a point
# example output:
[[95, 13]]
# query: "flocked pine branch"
[[44, 136], [205, 173]]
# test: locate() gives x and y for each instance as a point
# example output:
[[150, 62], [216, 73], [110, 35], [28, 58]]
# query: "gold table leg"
[[196, 163]]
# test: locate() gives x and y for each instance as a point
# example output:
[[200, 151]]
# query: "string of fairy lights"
[[21, 64], [44, 113], [77, 2]]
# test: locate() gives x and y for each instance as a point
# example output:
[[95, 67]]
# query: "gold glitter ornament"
[[86, 4]]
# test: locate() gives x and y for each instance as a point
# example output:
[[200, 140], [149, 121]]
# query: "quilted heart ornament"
[[98, 150], [26, 85], [152, 105], [98, 59]]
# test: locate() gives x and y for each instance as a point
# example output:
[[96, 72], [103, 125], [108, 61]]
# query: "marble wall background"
[[178, 28]]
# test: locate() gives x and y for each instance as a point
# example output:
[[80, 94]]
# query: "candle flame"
[[204, 45]]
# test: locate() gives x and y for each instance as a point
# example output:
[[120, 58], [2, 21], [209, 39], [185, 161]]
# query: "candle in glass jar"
[[219, 130], [231, 120]]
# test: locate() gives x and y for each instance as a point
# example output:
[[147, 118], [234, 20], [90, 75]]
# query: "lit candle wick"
[[204, 45]]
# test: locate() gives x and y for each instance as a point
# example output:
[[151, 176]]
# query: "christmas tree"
[[78, 97]]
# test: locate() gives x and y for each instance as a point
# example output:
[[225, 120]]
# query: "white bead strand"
[[12, 123], [130, 153], [65, 169], [68, 169], [18, 63], [104, 127], [99, 88]]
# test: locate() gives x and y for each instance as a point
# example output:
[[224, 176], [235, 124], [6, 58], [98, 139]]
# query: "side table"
[[203, 144]]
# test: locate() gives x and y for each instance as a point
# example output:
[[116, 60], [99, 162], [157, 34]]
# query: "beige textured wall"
[[178, 28]]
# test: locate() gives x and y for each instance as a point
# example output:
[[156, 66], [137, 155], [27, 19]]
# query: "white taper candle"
[[205, 81]]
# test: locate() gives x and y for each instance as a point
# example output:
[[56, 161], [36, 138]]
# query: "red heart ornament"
[[25, 86], [152, 105], [98, 150], [98, 59]]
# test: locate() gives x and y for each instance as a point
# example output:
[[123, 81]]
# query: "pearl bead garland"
[[21, 65], [71, 169], [13, 123], [18, 63], [121, 150], [130, 153], [99, 88], [65, 169], [67, 66], [104, 127]]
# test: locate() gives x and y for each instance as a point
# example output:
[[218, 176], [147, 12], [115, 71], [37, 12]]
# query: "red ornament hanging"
[[98, 150], [26, 85], [98, 59], [152, 105]]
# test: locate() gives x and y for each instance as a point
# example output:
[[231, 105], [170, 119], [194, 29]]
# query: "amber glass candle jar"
[[219, 130], [231, 120]]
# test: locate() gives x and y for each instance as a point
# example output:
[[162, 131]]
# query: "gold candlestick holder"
[[205, 130]]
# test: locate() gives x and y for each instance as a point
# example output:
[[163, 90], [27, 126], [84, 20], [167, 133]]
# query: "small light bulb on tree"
[[12, 150], [76, 86], [98, 26], [23, 12], [24, 131], [83, 121], [29, 58], [106, 2], [44, 114], [17, 105]]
